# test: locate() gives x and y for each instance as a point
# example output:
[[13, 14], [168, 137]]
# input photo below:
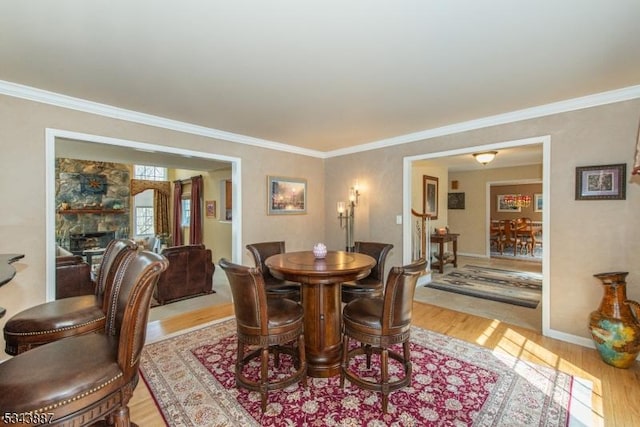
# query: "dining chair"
[[495, 235], [371, 285], [524, 231], [264, 325], [87, 378], [276, 288], [378, 324], [54, 320], [509, 236]]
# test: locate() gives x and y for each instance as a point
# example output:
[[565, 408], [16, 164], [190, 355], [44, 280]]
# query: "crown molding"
[[64, 101], [603, 98]]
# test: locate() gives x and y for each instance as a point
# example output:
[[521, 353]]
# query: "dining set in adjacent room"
[[520, 236]]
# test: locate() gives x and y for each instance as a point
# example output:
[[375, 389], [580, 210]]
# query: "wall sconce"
[[485, 157], [346, 215]]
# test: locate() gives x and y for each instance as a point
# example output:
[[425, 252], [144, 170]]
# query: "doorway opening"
[[477, 230], [62, 143]]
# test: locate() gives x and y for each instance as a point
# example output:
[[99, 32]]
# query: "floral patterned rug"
[[191, 376]]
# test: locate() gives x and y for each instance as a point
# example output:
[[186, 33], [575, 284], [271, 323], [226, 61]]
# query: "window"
[[151, 173], [144, 220], [143, 213], [186, 211]]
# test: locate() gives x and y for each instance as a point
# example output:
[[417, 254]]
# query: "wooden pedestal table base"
[[321, 300]]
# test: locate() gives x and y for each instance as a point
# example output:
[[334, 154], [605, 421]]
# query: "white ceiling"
[[322, 75]]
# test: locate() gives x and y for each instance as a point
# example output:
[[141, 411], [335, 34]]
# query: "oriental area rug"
[[512, 287], [454, 383]]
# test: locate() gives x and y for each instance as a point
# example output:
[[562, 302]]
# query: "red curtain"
[[195, 226], [177, 213]]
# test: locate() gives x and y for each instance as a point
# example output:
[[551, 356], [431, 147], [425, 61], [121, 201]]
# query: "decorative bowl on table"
[[319, 250]]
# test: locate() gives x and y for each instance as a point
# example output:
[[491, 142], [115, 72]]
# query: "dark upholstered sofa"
[[73, 277], [190, 273]]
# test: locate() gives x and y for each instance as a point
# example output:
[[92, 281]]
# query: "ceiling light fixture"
[[485, 157]]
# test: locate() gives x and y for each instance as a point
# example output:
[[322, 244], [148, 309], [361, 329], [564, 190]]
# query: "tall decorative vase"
[[614, 326]]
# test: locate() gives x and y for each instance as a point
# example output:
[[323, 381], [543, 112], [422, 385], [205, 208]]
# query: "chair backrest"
[[262, 251], [113, 254], [398, 295], [129, 304], [523, 224], [377, 251], [249, 297]]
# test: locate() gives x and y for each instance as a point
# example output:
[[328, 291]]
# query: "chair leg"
[[264, 377], [345, 359], [384, 372], [121, 417], [302, 358]]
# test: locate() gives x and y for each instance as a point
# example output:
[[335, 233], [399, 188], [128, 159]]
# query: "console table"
[[7, 271], [441, 239]]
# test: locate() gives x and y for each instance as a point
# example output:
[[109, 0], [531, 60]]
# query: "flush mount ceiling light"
[[485, 157]]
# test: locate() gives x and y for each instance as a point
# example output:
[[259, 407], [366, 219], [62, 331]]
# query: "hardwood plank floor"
[[616, 392]]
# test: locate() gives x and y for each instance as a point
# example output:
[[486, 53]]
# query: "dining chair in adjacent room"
[[376, 324], [372, 285], [509, 236], [276, 288], [87, 378], [264, 326], [54, 320], [524, 231]]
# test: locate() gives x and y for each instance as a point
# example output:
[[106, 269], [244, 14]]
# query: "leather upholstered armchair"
[[378, 323], [372, 285], [67, 317], [86, 378], [73, 277], [190, 273], [276, 288]]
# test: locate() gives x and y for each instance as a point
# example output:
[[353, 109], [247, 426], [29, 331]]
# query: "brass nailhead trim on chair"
[[80, 396], [67, 328]]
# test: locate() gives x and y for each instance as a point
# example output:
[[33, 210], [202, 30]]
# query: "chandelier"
[[517, 201]]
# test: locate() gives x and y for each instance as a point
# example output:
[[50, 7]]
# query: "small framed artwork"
[[503, 204], [537, 202], [605, 182], [455, 201], [430, 196], [286, 196], [210, 208]]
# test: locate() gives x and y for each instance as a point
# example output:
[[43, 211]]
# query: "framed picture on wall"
[[210, 208], [537, 202], [503, 206], [286, 196], [605, 182], [455, 201], [430, 196]]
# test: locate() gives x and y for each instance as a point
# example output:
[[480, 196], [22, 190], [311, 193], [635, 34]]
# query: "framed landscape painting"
[[286, 196]]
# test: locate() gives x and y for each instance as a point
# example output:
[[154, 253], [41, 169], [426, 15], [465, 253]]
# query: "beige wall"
[[587, 237], [22, 187]]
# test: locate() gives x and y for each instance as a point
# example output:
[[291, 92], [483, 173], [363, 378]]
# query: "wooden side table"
[[441, 239]]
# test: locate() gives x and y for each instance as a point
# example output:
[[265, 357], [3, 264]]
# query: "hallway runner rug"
[[191, 377], [512, 287]]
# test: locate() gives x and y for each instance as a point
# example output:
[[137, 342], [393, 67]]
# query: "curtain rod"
[[187, 180]]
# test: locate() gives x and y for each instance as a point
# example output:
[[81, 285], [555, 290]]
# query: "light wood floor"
[[616, 392]]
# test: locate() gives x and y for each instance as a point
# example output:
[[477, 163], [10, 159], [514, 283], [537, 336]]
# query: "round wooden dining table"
[[321, 300]]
